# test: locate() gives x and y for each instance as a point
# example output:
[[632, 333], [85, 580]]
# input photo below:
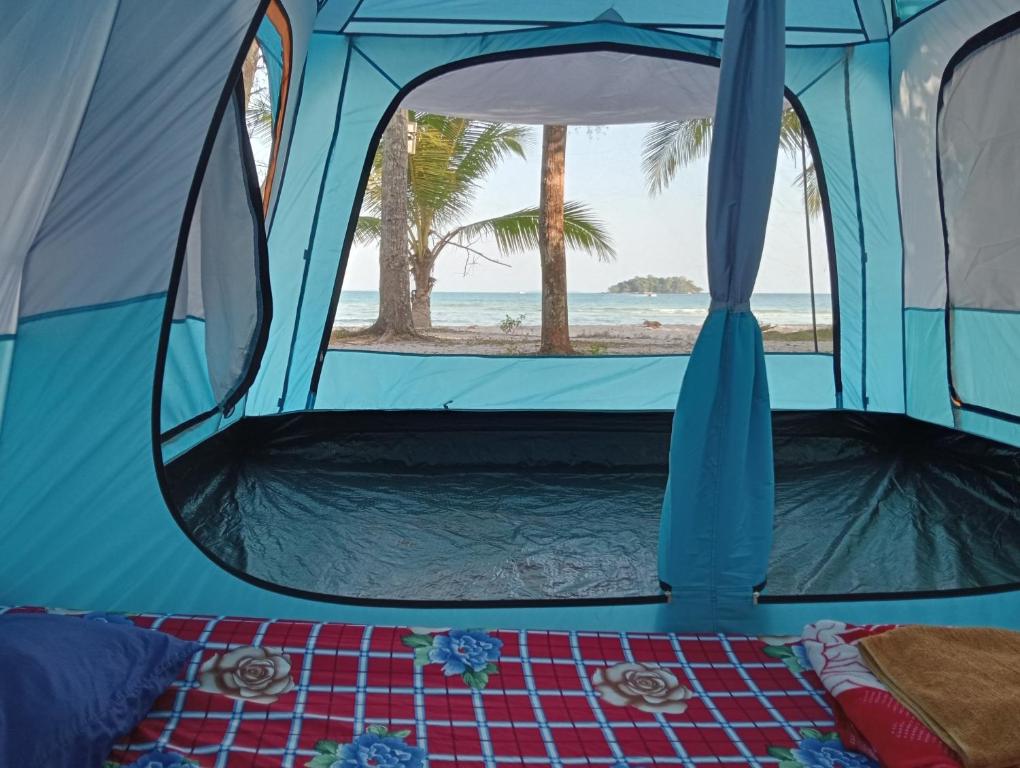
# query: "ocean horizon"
[[488, 308]]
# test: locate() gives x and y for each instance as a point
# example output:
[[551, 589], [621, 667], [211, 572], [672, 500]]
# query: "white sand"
[[587, 340]]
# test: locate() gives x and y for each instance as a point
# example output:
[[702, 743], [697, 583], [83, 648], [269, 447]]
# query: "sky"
[[662, 236]]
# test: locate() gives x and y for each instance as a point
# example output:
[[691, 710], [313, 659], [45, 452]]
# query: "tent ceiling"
[[591, 88], [808, 21]]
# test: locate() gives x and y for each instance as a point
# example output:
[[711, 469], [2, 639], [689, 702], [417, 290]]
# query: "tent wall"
[[285, 35], [905, 10], [979, 176], [354, 380], [223, 302], [809, 22], [341, 116], [921, 52], [94, 182], [84, 520], [40, 126]]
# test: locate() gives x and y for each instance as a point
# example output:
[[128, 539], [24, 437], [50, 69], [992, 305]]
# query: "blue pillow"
[[69, 687]]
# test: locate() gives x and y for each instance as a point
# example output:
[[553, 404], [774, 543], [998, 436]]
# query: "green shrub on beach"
[[510, 325]]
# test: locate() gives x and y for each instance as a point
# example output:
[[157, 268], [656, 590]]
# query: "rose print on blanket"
[[249, 673], [643, 686], [377, 747], [820, 750], [472, 654], [155, 759], [830, 649], [789, 650]]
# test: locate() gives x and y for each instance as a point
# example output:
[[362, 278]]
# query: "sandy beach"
[[587, 340]]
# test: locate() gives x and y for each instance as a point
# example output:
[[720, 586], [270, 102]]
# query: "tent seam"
[[315, 226]]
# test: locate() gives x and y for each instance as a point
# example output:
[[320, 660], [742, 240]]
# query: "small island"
[[652, 284]]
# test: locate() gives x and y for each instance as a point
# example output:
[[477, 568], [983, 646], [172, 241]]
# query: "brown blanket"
[[963, 683]]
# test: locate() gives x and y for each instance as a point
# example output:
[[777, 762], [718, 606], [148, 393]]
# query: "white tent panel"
[[979, 147], [121, 198], [590, 88], [921, 51], [41, 44]]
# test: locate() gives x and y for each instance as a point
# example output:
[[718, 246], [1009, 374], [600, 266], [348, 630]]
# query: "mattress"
[[332, 695]]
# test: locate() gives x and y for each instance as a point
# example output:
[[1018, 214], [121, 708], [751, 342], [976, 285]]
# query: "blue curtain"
[[717, 512]]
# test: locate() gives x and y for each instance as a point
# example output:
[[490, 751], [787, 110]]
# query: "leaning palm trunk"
[[551, 243], [394, 283]]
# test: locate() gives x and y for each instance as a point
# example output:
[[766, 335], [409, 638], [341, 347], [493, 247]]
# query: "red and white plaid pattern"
[[540, 709]]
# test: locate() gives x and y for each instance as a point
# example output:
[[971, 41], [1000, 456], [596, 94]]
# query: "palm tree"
[[394, 318], [672, 145], [552, 248], [258, 103], [452, 159]]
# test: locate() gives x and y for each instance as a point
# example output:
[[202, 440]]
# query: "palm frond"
[[670, 146], [790, 134], [259, 115], [518, 232], [259, 109], [814, 194], [368, 230], [453, 157]]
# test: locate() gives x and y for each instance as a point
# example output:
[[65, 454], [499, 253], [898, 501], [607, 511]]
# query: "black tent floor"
[[434, 506]]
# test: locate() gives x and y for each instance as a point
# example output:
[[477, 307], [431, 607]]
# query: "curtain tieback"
[[740, 306]]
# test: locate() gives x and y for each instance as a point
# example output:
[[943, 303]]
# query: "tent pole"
[[807, 229]]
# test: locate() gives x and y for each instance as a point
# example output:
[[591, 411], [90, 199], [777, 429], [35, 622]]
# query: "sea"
[[359, 308]]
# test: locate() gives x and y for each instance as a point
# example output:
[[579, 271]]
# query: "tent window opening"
[[222, 298], [266, 82], [979, 175], [459, 480], [569, 218], [259, 109]]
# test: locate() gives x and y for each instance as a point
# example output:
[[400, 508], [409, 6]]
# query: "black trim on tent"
[[985, 37], [350, 18], [867, 597], [184, 426], [860, 19], [847, 56], [264, 290], [286, 155], [830, 240], [528, 53], [274, 186], [674, 32], [550, 24], [315, 226], [181, 252]]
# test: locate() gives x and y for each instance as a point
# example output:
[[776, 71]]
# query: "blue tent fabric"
[[717, 512], [108, 107]]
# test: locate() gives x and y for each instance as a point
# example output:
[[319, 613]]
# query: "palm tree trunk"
[[251, 63], [421, 298], [394, 276], [551, 244]]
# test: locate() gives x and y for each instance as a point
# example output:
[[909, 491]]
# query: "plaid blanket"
[[329, 695]]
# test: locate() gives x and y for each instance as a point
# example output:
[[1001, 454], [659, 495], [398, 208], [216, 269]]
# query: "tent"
[[177, 435]]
